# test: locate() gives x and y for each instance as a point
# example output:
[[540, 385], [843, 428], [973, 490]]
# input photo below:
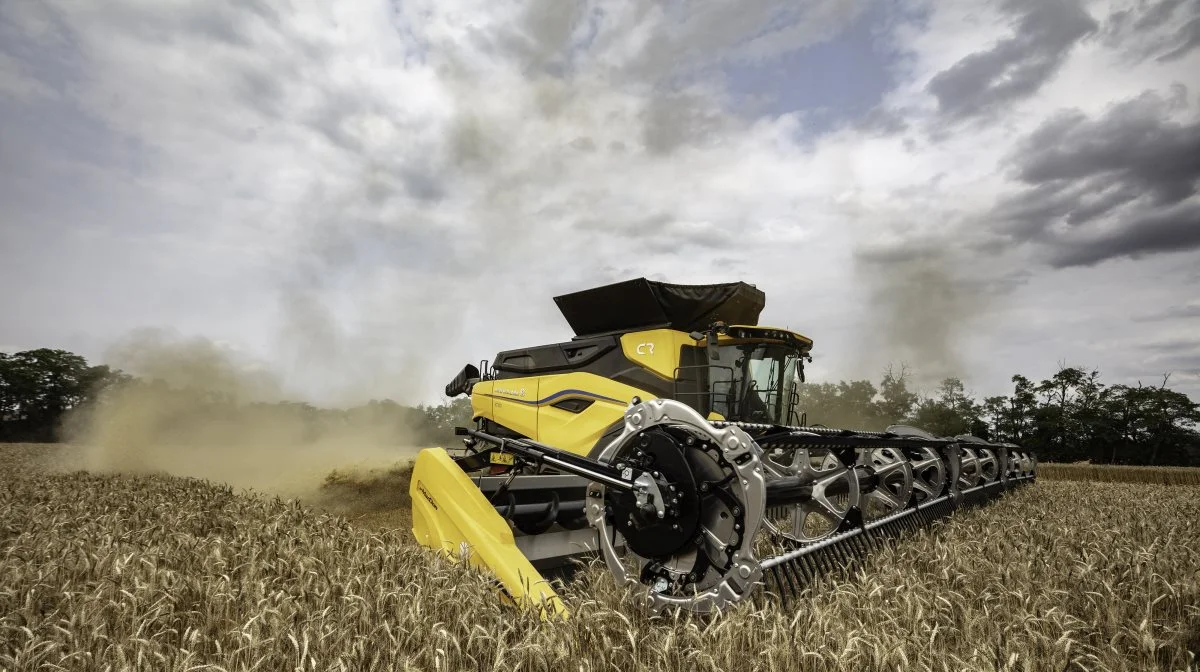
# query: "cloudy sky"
[[363, 196]]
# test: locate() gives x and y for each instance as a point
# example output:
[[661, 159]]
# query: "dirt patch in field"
[[375, 498]]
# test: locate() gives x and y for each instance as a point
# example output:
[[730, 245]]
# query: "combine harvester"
[[665, 437]]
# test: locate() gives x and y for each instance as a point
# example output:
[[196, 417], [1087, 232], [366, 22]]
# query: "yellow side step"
[[451, 513]]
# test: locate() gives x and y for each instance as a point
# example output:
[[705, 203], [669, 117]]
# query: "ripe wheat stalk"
[[154, 572]]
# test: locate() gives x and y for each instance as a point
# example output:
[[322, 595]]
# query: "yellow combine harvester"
[[665, 437]]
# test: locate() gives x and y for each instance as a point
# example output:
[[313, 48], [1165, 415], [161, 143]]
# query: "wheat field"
[[113, 572], [1107, 473]]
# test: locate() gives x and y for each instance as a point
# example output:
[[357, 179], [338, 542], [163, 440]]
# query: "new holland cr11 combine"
[[665, 437]]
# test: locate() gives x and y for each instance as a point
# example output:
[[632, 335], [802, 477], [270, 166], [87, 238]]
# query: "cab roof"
[[762, 333]]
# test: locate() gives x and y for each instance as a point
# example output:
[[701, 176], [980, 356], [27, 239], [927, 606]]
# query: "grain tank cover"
[[646, 304]]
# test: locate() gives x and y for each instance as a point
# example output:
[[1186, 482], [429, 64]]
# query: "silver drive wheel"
[[719, 567]]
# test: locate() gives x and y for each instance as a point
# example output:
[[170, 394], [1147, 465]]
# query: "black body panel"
[[646, 304], [578, 355], [601, 355]]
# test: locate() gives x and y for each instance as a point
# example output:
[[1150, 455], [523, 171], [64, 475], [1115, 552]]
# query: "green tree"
[[1022, 411], [1071, 420], [441, 419], [996, 416], [38, 388], [848, 404], [896, 402], [1149, 425], [949, 413]]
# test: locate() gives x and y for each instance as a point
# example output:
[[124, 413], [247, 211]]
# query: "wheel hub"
[[657, 452]]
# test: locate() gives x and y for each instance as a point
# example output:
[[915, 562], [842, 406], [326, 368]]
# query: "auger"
[[665, 438]]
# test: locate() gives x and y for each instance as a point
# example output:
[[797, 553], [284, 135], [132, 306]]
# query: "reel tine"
[[875, 536], [858, 547], [845, 558], [792, 570], [785, 581], [810, 567], [927, 516], [779, 587], [819, 566], [826, 561], [835, 557]]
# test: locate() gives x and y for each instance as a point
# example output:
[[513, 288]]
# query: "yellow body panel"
[[656, 349], [450, 513], [536, 416], [579, 432], [515, 400], [481, 399]]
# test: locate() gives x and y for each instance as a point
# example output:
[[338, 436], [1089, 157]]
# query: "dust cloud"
[[921, 308], [199, 411], [355, 319]]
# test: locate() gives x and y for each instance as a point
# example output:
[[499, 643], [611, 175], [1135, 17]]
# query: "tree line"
[[46, 395], [51, 395], [1069, 417]]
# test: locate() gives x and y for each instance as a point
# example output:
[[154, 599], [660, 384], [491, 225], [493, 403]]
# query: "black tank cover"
[[639, 304]]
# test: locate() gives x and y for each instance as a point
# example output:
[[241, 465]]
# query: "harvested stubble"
[[1108, 473], [163, 573]]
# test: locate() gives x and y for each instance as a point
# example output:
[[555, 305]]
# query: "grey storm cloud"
[[565, 37], [1165, 31], [560, 40], [1175, 345], [680, 119], [1171, 230], [1185, 311], [1017, 67], [1134, 141], [1180, 355], [1123, 184]]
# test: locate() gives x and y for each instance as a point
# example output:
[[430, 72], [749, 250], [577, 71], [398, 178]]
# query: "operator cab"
[[744, 374]]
